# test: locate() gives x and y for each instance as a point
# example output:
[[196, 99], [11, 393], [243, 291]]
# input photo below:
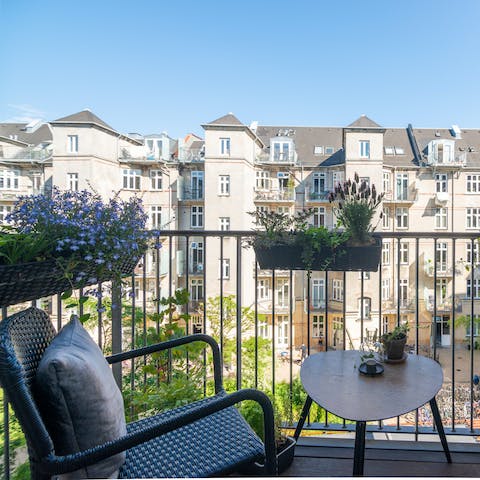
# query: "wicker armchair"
[[205, 438]]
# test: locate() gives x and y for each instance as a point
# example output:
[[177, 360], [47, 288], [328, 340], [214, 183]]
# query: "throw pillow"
[[79, 400]]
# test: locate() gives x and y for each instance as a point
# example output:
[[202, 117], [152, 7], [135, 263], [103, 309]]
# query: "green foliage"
[[165, 379], [294, 230], [355, 204], [398, 333], [22, 472], [17, 247], [17, 438]]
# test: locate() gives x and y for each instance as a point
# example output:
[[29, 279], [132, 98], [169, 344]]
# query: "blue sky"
[[149, 66]]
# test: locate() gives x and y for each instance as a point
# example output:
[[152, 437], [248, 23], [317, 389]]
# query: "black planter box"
[[289, 257], [30, 281]]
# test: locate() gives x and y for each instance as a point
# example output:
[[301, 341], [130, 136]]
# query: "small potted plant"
[[354, 205], [252, 412], [64, 240], [288, 242], [394, 343]]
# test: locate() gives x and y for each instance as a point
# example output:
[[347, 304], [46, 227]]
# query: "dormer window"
[[281, 150], [399, 151], [389, 150], [318, 150], [441, 151], [329, 150], [364, 146]]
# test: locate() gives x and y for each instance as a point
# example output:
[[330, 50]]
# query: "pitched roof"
[[85, 116], [364, 122], [229, 119], [18, 130]]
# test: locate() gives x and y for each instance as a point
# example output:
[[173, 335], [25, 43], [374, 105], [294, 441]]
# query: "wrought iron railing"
[[262, 319]]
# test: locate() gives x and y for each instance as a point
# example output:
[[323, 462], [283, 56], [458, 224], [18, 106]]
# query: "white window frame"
[[196, 289], [263, 289], [318, 292], [404, 253], [364, 148], [386, 217], [476, 253], [337, 290], [441, 182], [4, 211], [132, 178], [318, 326], [476, 325], [476, 288], [282, 290], [386, 253], [387, 182], [403, 292], [156, 177], [9, 179], [442, 290], [225, 146], [72, 181], [319, 217], [196, 216], [224, 223], [441, 218], [156, 216], [473, 218], [224, 185], [282, 330], [329, 150], [319, 182], [262, 180], [386, 292], [281, 151], [318, 149], [224, 268], [197, 184], [401, 185], [196, 256], [367, 307], [401, 217], [473, 184], [337, 178], [72, 143]]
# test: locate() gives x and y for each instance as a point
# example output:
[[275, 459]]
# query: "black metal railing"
[[266, 322]]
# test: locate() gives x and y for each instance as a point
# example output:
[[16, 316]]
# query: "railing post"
[[117, 329]]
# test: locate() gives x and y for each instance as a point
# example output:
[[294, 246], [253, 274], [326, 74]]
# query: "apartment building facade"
[[430, 177]]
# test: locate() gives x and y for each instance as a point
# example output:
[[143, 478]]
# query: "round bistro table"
[[332, 380]]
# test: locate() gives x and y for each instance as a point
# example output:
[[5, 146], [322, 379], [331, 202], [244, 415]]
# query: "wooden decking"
[[320, 457]]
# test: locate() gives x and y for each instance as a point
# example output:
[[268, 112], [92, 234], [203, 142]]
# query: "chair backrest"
[[24, 337]]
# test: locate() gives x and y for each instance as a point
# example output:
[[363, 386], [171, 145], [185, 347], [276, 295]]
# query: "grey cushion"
[[79, 399]]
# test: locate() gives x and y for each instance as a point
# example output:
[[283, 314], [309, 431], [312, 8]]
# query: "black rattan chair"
[[205, 438]]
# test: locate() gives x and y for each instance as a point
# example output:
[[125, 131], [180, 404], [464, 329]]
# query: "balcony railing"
[[287, 195], [252, 332], [278, 158], [192, 194], [313, 196], [28, 154]]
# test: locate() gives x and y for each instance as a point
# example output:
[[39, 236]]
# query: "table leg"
[[359, 452], [441, 431], [303, 417]]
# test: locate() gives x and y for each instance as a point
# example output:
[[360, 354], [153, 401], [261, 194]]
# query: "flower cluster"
[[355, 204], [81, 227]]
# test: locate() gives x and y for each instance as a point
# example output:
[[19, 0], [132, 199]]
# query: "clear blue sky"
[[148, 66]]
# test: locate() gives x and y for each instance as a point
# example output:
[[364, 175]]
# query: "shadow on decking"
[[327, 457]]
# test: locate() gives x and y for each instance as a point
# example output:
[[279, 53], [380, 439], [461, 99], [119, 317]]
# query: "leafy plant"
[[354, 204], [398, 333], [294, 230]]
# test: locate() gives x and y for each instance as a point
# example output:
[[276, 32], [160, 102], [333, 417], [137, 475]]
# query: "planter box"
[[289, 257], [284, 460], [30, 281]]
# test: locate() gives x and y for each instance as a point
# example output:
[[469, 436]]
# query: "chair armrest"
[[62, 464], [158, 347]]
